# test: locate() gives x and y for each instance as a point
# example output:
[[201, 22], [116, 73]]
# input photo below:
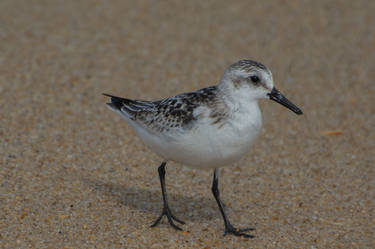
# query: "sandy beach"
[[73, 174]]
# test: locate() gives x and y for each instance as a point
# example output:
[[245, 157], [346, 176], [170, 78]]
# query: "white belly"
[[213, 148], [207, 145]]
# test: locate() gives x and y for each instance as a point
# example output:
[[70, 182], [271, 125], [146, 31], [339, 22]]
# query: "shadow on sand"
[[150, 201]]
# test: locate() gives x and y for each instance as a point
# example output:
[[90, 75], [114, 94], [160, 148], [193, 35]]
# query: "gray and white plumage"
[[208, 128], [168, 114]]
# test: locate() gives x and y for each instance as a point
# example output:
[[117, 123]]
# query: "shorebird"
[[207, 129]]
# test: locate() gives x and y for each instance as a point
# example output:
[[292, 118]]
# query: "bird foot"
[[229, 229], [167, 212]]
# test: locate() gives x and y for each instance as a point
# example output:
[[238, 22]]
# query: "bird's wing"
[[130, 108], [171, 113]]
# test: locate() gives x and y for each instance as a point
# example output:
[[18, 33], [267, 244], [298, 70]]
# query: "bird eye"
[[254, 79]]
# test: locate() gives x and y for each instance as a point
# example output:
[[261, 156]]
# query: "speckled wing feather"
[[164, 115], [130, 108]]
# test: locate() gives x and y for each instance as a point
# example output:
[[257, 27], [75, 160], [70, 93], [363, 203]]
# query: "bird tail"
[[116, 102], [128, 107]]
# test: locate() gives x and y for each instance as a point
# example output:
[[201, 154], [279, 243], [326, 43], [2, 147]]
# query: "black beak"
[[279, 98]]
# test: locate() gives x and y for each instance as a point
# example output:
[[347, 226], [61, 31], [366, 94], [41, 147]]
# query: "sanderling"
[[209, 128]]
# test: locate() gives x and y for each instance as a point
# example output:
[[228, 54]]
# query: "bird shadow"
[[185, 207]]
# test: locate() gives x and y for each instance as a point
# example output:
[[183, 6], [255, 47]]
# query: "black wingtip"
[[114, 98], [116, 102], [108, 95]]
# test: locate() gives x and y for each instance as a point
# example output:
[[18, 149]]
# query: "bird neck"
[[237, 99]]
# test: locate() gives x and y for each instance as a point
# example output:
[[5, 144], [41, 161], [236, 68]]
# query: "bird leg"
[[166, 211], [229, 228]]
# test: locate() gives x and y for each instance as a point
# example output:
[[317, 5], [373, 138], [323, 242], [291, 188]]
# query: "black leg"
[[166, 211], [228, 227]]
